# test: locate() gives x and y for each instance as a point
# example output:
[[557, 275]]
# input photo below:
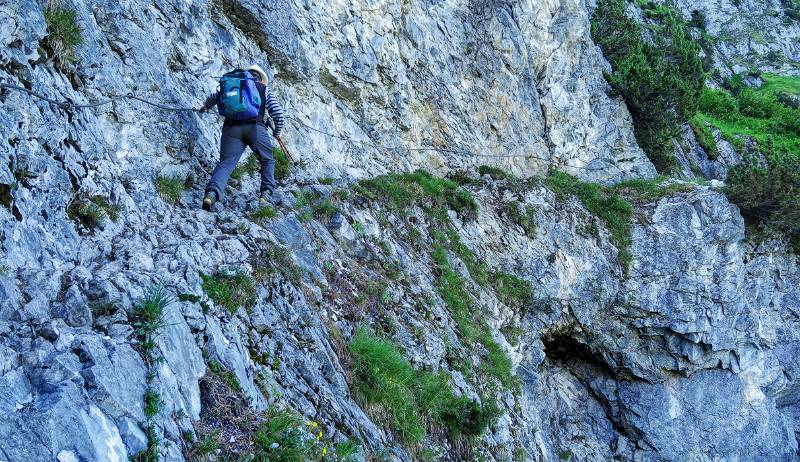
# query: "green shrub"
[[769, 196], [766, 191], [230, 290], [412, 399], [660, 80], [63, 33], [602, 202], [169, 188]]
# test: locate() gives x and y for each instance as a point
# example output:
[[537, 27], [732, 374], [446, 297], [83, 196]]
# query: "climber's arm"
[[276, 114]]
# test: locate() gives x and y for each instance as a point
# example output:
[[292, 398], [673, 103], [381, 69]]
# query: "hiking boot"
[[208, 200], [266, 198]]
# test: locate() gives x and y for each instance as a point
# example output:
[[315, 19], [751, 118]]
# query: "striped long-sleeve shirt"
[[269, 105]]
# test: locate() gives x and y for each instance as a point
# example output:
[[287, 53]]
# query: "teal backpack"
[[239, 98]]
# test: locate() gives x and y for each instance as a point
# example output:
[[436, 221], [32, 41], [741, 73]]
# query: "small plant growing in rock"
[[227, 376], [169, 188], [91, 212], [231, 291], [152, 403], [412, 399], [148, 317], [516, 293], [494, 172], [267, 212], [277, 259], [524, 216], [63, 32], [283, 167], [248, 168]]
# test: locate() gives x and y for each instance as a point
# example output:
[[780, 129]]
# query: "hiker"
[[242, 98]]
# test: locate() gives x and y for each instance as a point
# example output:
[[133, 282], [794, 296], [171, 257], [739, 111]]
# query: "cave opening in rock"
[[569, 351]]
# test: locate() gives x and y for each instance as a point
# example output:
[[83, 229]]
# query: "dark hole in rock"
[[569, 351], [5, 195]]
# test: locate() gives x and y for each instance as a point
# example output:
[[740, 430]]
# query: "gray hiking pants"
[[231, 146]]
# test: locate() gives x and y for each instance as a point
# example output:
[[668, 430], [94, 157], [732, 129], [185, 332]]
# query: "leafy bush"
[[230, 290], [412, 399], [63, 33], [169, 188], [660, 79], [603, 202]]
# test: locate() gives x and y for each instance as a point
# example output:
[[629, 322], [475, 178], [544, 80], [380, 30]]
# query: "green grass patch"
[[643, 191], [91, 212], [781, 84], [63, 33], [524, 216], [412, 400], [514, 292], [264, 213], [602, 202], [403, 190], [231, 291], [494, 172], [169, 188], [310, 204], [766, 191], [277, 259], [283, 167]]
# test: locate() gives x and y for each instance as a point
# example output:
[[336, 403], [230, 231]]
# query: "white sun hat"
[[257, 68]]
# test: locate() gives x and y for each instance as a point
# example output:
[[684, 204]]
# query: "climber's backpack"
[[239, 98]]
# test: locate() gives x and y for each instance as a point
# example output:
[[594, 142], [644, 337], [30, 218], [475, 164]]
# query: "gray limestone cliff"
[[688, 354]]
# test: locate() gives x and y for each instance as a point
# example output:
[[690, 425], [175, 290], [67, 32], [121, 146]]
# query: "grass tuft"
[[514, 292], [91, 212], [412, 399], [602, 202], [267, 212], [169, 188], [403, 190], [231, 291], [63, 33]]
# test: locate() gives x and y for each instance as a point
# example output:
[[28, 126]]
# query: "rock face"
[[690, 355], [749, 34]]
